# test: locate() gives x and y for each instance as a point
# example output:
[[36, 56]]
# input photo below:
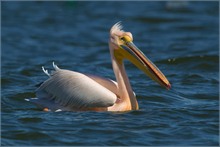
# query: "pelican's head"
[[122, 47]]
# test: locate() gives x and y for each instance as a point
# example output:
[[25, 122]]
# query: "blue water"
[[182, 39]]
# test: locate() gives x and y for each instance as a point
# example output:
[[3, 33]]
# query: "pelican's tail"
[[43, 103], [46, 71]]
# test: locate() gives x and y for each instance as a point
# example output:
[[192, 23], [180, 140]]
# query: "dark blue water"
[[182, 39]]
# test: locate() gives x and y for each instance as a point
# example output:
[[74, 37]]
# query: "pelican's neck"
[[127, 98]]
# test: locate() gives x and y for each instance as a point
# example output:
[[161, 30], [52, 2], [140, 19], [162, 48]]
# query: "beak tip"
[[169, 86]]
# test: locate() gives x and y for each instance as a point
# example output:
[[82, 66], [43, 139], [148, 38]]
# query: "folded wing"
[[76, 90]]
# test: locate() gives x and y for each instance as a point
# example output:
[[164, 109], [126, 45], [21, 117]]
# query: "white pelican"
[[74, 91]]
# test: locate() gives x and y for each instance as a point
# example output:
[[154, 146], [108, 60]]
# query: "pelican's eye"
[[126, 38], [123, 39]]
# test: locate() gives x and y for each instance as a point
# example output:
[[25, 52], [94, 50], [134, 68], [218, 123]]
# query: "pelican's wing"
[[107, 83], [76, 90]]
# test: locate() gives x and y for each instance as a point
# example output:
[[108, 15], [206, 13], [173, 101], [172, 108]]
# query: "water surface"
[[182, 39]]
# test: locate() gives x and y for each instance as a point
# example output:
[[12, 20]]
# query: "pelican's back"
[[75, 91]]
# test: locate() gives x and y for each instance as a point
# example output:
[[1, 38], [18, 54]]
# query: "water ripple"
[[181, 38]]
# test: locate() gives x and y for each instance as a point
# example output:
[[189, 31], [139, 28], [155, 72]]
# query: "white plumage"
[[116, 28], [75, 90]]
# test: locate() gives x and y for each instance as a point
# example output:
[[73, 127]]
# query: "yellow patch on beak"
[[127, 38]]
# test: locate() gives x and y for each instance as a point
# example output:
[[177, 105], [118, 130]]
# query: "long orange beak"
[[129, 51]]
